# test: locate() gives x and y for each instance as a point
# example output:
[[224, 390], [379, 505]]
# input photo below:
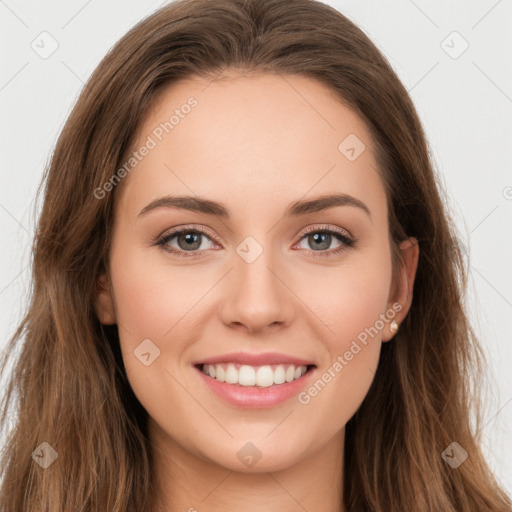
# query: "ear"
[[403, 287], [104, 304]]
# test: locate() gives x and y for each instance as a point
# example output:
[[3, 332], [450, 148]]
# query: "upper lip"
[[266, 358]]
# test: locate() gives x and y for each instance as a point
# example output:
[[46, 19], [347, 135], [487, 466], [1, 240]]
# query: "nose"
[[256, 296]]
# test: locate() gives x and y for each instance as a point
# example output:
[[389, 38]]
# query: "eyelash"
[[347, 242]]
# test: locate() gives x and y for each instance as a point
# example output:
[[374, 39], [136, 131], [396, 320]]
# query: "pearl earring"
[[393, 327]]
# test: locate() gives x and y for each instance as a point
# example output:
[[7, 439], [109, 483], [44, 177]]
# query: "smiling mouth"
[[254, 376]]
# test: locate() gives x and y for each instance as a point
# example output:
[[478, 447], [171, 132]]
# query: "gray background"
[[464, 99]]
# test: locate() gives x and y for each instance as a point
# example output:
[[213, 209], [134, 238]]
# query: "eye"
[[188, 240], [321, 239]]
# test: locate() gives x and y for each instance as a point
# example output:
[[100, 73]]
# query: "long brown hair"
[[68, 385]]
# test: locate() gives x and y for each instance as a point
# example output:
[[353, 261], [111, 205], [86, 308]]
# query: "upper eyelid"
[[178, 230], [205, 231], [337, 230]]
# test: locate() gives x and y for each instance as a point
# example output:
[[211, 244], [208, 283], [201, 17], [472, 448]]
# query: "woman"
[[188, 347]]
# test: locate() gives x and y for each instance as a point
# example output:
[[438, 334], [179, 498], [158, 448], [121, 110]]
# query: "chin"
[[248, 458]]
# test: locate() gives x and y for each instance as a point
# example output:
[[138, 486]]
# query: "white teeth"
[[231, 374], [220, 373], [246, 376], [279, 376], [264, 376], [261, 376]]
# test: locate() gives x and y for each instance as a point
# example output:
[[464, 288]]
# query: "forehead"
[[241, 138]]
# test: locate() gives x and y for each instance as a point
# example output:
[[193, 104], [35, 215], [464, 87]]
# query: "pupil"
[[321, 237], [191, 239]]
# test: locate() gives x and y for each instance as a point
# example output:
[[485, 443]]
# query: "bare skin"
[[256, 144]]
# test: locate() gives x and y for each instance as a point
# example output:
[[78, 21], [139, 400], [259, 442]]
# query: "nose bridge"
[[258, 296], [252, 268]]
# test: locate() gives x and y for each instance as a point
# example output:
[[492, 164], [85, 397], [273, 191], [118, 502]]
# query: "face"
[[264, 277]]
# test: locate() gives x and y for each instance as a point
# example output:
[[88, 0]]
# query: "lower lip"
[[253, 397]]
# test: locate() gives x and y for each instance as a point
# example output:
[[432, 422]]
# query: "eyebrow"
[[298, 208]]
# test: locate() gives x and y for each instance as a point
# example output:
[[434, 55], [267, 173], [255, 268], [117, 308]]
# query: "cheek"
[[346, 300], [152, 297], [161, 303], [152, 302], [352, 308]]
